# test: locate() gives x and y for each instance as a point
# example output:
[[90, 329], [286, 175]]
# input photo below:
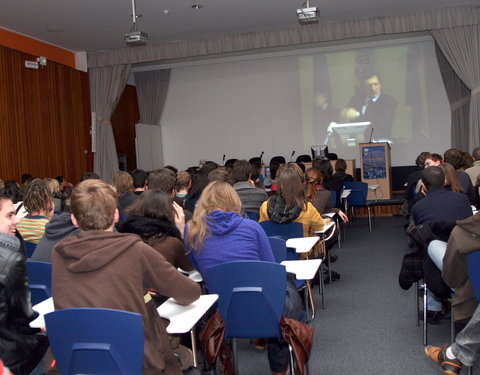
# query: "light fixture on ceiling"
[[307, 14], [135, 37]]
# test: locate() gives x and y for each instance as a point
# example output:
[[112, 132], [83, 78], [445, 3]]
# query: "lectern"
[[376, 169]]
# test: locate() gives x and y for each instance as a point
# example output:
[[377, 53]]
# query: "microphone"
[[261, 155], [291, 156], [371, 134], [223, 160]]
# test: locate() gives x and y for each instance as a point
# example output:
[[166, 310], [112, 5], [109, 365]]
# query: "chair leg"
[[321, 285], [292, 362], [194, 347], [417, 304], [235, 356], [425, 307], [452, 327], [369, 219], [310, 295], [305, 302]]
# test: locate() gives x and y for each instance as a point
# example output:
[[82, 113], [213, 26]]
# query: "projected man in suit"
[[372, 105], [324, 113]]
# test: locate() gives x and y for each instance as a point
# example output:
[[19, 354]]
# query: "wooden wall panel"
[[44, 118], [123, 120]]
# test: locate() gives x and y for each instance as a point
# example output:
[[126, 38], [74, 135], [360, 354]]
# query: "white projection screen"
[[276, 105]]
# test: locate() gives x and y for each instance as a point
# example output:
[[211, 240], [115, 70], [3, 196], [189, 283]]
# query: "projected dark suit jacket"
[[379, 113]]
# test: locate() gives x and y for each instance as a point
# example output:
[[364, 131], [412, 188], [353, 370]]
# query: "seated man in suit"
[[439, 203], [105, 269], [250, 196]]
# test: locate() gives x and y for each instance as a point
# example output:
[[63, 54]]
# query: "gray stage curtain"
[[461, 48], [152, 88], [106, 87], [459, 98], [422, 20]]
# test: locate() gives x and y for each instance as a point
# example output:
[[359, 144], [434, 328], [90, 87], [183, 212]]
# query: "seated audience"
[[330, 181], [54, 188], [21, 347], [218, 234], [102, 268], [289, 204], [474, 171], [439, 203], [250, 196], [139, 180], [454, 157], [270, 178], [220, 174], [26, 179], [64, 184], [184, 182], [413, 179], [433, 160], [256, 162], [89, 176], [451, 180], [467, 161], [123, 182], [12, 190], [39, 205], [340, 170], [57, 229]]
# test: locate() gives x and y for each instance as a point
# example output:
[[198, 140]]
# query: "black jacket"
[[21, 348]]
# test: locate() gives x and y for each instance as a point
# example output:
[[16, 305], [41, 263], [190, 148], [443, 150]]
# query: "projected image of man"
[[372, 105]]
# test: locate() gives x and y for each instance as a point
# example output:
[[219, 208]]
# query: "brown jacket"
[[114, 270], [464, 239]]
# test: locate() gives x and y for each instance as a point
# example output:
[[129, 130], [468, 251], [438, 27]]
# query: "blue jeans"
[[436, 252], [467, 342]]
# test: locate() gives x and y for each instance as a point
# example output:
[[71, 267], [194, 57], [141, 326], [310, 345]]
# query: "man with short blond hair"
[[106, 269]]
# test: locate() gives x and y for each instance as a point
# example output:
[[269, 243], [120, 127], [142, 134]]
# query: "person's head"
[[324, 167], [139, 178], [313, 177], [123, 182], [256, 163], [220, 174], [229, 164], [340, 165], [65, 200], [26, 178], [301, 166], [467, 161], [420, 160], [433, 177], [451, 178], [162, 179], [241, 171], [53, 186], [372, 86], [208, 166], [274, 165], [38, 199], [476, 153], [218, 195], [13, 191], [184, 181], [172, 168], [454, 157], [89, 176], [94, 205], [432, 160], [8, 218], [154, 204], [290, 187]]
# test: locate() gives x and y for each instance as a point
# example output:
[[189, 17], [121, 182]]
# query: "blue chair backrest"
[[252, 215], [39, 281], [290, 230], [29, 248], [251, 297], [473, 261], [334, 197], [358, 194], [96, 341], [279, 248]]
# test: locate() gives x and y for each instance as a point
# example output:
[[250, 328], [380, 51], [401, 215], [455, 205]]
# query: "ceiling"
[[93, 25]]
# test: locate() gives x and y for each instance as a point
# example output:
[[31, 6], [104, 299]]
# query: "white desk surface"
[[194, 275], [345, 193], [183, 318], [303, 269], [373, 187], [42, 308], [302, 244], [329, 214], [325, 228]]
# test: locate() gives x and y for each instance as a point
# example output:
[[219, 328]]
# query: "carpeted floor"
[[369, 324]]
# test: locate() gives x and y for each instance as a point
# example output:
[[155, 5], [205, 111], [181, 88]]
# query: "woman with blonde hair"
[[217, 234], [451, 179]]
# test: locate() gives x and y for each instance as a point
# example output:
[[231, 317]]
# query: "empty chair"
[[358, 198], [303, 159], [39, 281], [96, 341]]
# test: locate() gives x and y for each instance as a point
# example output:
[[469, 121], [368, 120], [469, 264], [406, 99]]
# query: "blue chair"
[[279, 248], [96, 341], [29, 248], [251, 299], [358, 198], [291, 230], [252, 215], [39, 281]]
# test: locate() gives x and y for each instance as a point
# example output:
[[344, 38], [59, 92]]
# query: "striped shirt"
[[32, 228]]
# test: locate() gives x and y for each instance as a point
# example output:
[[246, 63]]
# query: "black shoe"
[[433, 317]]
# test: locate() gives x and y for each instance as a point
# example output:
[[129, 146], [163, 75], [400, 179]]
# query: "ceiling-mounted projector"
[[136, 38], [308, 15]]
